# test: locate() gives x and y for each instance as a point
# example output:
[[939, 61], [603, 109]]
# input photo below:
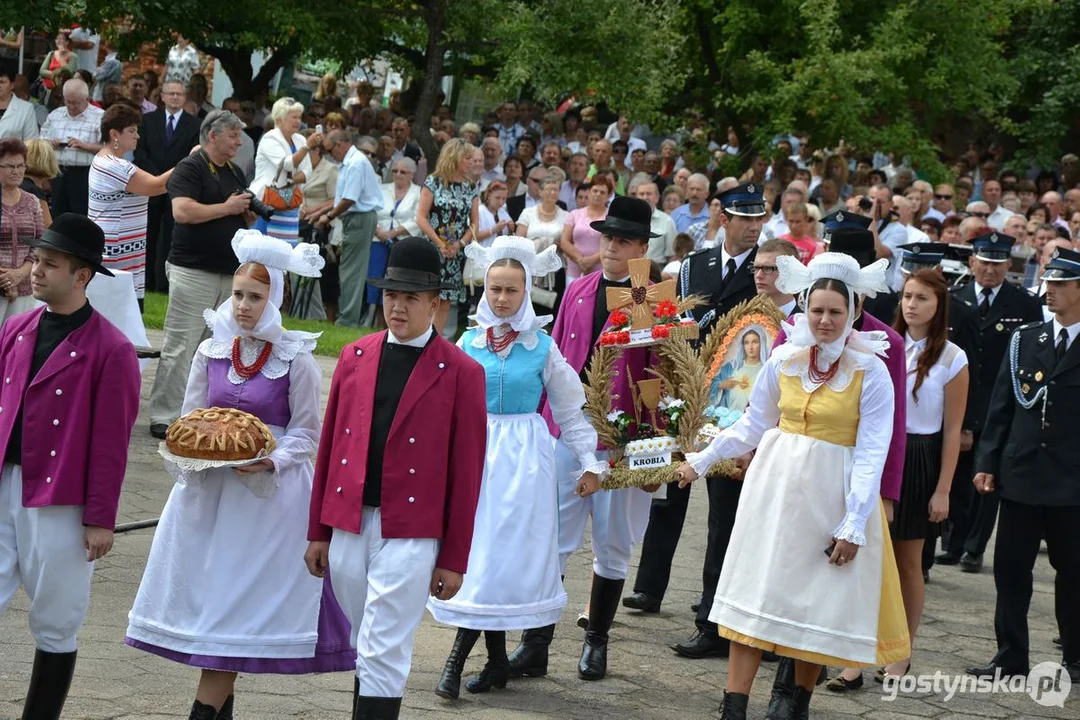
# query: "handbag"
[[282, 194]]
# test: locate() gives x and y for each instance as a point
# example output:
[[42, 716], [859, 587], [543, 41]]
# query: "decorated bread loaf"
[[219, 434]]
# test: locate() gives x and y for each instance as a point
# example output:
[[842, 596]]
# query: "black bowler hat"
[[414, 265], [859, 244], [74, 235], [627, 217]]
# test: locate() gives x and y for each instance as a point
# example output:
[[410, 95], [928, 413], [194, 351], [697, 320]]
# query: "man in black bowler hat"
[[1027, 454], [724, 276], [397, 478], [68, 401], [1001, 308]]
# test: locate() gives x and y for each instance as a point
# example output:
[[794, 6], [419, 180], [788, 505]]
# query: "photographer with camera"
[[210, 202]]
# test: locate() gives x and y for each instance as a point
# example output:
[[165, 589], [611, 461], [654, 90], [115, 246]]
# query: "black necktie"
[[984, 304], [1062, 345], [170, 128], [729, 268]]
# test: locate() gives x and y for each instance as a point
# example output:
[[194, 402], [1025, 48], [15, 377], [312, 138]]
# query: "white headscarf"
[[278, 257], [524, 251], [797, 279]]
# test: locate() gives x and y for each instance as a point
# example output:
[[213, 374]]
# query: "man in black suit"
[[165, 138], [724, 276], [1027, 450], [1001, 308]]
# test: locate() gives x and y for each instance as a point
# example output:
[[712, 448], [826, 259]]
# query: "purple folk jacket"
[[78, 414]]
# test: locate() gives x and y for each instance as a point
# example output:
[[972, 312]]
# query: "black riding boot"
[[199, 711], [225, 713], [733, 707], [497, 669], [782, 689], [603, 604], [376, 708], [449, 686], [49, 684], [531, 656]]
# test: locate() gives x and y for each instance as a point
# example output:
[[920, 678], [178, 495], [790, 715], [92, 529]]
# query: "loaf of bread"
[[219, 434]]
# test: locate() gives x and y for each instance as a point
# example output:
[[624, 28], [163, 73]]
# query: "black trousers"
[[666, 519], [971, 514], [159, 230], [723, 504], [1021, 529], [71, 191]]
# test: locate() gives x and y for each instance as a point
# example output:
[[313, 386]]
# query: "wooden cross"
[[641, 298]]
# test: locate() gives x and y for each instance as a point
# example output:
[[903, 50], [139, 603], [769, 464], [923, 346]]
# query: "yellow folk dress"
[[816, 475]]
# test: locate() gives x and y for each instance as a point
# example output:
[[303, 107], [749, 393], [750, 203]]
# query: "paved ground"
[[646, 679]]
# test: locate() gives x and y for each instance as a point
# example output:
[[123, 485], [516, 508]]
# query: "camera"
[[257, 206], [865, 203]]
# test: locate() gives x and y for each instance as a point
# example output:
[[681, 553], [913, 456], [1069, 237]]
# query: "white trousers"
[[383, 587], [619, 519], [42, 550]]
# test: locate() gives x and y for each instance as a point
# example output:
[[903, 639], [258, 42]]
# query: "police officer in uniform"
[[1027, 453], [1001, 308], [964, 333], [724, 276]]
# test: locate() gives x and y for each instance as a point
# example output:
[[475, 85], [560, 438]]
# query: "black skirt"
[[922, 468]]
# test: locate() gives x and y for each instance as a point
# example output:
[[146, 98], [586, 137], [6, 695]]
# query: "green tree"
[[900, 75]]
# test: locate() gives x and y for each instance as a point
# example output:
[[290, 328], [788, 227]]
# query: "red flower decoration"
[[624, 337], [618, 319], [666, 309], [660, 332]]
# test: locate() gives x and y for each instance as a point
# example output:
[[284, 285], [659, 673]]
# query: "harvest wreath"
[[668, 408]]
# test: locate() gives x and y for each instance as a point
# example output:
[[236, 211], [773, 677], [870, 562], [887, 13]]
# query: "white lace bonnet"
[[536, 265]]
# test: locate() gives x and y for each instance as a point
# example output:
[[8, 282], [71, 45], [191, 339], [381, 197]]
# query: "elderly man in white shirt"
[[661, 248], [991, 195], [75, 131], [492, 151]]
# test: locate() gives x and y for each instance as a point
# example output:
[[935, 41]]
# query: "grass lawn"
[[333, 338]]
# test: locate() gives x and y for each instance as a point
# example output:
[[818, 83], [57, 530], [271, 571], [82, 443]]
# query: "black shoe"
[[603, 604], [841, 684], [158, 430], [449, 686], [199, 711], [696, 605], [641, 601], [1073, 669], [782, 689], [733, 707], [800, 701], [702, 645], [497, 669], [770, 657], [1057, 641], [530, 658], [946, 558], [993, 669], [376, 708], [971, 563], [49, 683], [225, 713]]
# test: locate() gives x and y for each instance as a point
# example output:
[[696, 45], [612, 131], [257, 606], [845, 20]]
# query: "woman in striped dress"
[[119, 192], [282, 162]]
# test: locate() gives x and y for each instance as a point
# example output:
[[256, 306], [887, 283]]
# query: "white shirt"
[[487, 220], [776, 227], [87, 58], [85, 127], [1073, 330], [19, 120], [915, 235], [419, 341], [663, 247], [978, 293], [926, 415], [490, 176], [724, 257], [394, 214], [789, 307], [543, 234], [998, 217], [893, 236]]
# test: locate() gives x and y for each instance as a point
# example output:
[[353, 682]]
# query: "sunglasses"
[[943, 197], [980, 215]]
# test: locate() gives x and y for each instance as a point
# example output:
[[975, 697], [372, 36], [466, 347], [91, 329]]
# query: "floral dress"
[[449, 218]]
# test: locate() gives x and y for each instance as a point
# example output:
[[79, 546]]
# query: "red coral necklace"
[[816, 376], [249, 371], [497, 345]]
